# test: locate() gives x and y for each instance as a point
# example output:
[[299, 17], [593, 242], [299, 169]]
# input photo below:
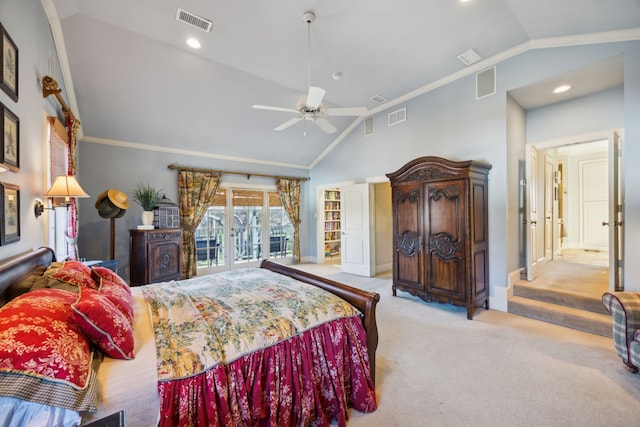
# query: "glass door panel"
[[280, 229], [210, 236], [246, 231]]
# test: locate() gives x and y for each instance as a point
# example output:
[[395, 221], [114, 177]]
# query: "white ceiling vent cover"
[[398, 116], [379, 99], [486, 82], [469, 57], [194, 20], [368, 126]]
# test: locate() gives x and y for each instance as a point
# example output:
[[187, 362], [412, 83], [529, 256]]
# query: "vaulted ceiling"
[[136, 81]]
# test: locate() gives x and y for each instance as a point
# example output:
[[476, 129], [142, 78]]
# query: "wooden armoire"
[[440, 231]]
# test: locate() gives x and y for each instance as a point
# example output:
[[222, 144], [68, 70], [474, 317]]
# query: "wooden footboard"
[[364, 301]]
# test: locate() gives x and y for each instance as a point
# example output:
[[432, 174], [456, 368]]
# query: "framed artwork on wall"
[[10, 131], [9, 65], [10, 202]]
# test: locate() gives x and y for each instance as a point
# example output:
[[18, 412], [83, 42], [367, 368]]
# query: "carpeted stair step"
[[568, 299], [583, 320]]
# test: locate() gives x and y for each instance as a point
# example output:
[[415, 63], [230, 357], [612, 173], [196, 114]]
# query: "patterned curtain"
[[196, 191], [73, 125], [289, 190]]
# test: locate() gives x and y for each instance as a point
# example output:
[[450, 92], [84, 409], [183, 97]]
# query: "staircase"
[[578, 310]]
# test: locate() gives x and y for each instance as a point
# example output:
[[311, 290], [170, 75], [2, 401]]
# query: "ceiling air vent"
[[378, 99], [194, 20], [469, 57], [368, 126], [398, 116]]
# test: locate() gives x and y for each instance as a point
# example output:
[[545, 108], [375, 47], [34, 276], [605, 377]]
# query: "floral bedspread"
[[209, 320]]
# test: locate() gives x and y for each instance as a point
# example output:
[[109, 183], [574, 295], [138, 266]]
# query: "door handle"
[[605, 223], [534, 222]]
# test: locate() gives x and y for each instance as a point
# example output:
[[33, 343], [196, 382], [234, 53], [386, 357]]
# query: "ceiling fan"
[[311, 108]]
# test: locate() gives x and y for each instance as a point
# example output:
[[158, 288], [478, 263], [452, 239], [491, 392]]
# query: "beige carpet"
[[436, 368]]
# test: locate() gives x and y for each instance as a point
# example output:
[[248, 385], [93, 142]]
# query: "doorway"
[[570, 247], [364, 228]]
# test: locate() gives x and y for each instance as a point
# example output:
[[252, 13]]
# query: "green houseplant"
[[147, 197]]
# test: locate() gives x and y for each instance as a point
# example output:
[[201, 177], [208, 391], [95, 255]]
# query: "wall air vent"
[[368, 126], [486, 82], [398, 116], [194, 20], [378, 99]]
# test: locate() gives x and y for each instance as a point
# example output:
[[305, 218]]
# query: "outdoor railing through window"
[[246, 234]]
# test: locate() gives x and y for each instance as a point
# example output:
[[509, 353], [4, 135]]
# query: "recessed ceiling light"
[[194, 43], [561, 89]]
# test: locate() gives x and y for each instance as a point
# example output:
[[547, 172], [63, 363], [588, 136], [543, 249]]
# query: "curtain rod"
[[247, 174], [50, 87]]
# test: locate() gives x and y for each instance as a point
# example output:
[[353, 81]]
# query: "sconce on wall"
[[64, 186]]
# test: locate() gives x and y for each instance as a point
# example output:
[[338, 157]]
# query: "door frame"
[[227, 250], [320, 189], [615, 167]]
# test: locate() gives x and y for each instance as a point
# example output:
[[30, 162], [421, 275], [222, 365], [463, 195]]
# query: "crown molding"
[[183, 152]]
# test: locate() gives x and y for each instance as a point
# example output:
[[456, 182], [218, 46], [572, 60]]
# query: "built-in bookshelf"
[[331, 223]]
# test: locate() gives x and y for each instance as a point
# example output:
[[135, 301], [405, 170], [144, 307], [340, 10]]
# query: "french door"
[[241, 228]]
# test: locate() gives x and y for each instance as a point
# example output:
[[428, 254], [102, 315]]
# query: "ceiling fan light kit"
[[311, 108]]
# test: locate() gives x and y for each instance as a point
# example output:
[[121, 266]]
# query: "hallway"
[[580, 272]]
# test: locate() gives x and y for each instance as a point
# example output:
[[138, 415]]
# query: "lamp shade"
[[66, 186]]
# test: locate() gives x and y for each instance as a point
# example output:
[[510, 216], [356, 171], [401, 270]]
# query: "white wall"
[[27, 24], [630, 157]]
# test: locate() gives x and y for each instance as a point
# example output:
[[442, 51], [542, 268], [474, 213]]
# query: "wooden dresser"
[[440, 231], [155, 255]]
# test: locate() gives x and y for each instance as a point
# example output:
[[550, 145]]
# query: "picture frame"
[[9, 65], [10, 203], [10, 133]]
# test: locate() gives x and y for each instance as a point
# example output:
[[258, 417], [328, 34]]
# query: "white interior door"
[[615, 222], [531, 211], [594, 204], [356, 227], [549, 169]]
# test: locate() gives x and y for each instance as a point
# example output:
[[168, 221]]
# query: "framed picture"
[[10, 202], [10, 131], [9, 66]]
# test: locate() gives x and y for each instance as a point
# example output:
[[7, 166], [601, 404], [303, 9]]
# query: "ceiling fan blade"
[[270, 108], [352, 111], [288, 123], [325, 125], [314, 98]]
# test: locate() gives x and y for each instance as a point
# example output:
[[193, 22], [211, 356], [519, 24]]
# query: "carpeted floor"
[[436, 368]]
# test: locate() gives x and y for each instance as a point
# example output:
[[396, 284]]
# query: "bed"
[[306, 370]]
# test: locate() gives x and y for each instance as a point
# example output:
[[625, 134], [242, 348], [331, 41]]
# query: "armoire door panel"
[[445, 277], [408, 237]]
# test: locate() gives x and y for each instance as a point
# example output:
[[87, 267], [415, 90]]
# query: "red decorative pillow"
[[104, 324], [39, 338], [120, 296], [104, 273], [74, 277], [77, 265]]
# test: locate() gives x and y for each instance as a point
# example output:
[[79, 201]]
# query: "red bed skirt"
[[310, 379]]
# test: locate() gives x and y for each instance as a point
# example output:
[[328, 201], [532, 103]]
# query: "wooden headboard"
[[17, 267]]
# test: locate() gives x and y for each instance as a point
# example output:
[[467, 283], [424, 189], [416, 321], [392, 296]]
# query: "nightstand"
[[155, 255]]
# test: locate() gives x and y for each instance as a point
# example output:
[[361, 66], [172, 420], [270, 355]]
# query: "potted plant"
[[147, 197]]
